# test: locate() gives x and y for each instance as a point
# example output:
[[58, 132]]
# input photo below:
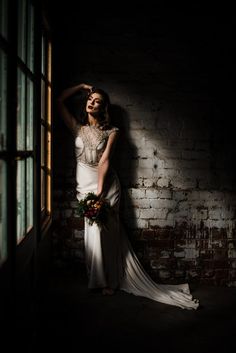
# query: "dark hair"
[[104, 116]]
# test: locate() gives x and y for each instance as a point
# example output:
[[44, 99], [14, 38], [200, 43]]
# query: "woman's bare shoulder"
[[113, 128]]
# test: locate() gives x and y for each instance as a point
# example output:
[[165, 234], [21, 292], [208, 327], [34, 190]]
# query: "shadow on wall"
[[124, 161]]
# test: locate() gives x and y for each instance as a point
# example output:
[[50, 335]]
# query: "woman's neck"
[[92, 121]]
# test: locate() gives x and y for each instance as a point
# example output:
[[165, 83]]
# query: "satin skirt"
[[110, 258]]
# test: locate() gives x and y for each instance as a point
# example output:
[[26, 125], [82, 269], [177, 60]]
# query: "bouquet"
[[94, 208]]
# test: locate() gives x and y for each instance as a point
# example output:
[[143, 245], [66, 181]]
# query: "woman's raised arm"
[[68, 118]]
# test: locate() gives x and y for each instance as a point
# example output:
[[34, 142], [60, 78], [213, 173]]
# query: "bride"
[[110, 260]]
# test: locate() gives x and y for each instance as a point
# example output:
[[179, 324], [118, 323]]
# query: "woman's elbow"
[[104, 162]]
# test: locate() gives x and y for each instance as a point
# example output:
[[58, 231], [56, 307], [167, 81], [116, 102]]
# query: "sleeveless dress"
[[110, 259]]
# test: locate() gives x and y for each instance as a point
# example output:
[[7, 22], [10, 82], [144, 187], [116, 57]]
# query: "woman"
[[110, 260]]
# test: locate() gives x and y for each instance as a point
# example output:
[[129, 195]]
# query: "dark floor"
[[69, 318]]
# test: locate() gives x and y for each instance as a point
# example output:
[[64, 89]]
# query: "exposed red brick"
[[148, 234]]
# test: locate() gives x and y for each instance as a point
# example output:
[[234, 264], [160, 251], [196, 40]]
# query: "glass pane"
[[20, 110], [49, 57], [29, 193], [4, 17], [43, 189], [30, 107], [42, 145], [21, 50], [43, 61], [20, 198], [3, 212], [43, 100], [3, 99], [30, 54]]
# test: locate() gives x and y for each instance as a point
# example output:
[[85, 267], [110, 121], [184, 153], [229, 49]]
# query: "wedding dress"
[[110, 259]]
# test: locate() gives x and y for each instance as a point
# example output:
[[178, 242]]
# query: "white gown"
[[110, 259]]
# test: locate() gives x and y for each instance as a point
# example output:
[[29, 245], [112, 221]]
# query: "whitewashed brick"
[[147, 213], [142, 223], [138, 193], [148, 182], [215, 214], [161, 223], [163, 182], [179, 254], [231, 250]]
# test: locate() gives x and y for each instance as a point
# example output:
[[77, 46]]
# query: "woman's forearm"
[[102, 173], [63, 110], [66, 93]]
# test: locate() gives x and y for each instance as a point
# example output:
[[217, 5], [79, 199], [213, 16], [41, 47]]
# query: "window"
[[26, 83], [25, 128], [3, 99], [3, 131]]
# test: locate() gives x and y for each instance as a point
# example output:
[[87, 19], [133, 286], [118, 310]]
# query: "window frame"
[[46, 123]]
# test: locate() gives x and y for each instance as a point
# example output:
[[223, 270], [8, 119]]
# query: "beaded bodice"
[[90, 143]]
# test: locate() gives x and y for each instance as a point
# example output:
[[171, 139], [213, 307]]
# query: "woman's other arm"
[[68, 118], [104, 163]]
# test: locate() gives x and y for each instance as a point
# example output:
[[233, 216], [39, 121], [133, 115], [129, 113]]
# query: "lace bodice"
[[90, 143]]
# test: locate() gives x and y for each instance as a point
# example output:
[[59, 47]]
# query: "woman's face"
[[94, 104]]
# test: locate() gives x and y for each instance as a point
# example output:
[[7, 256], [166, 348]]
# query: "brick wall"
[[175, 155]]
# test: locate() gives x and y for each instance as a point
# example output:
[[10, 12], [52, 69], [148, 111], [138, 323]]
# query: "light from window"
[[21, 99], [22, 30], [3, 99], [20, 200], [43, 62]]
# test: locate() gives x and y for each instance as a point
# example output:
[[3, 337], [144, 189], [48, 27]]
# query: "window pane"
[[43, 61], [30, 106], [21, 111], [22, 29], [3, 212], [29, 193], [43, 189], [49, 66], [30, 54], [3, 99], [20, 198], [4, 17]]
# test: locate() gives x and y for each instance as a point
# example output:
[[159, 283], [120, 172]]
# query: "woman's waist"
[[84, 164], [83, 167]]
